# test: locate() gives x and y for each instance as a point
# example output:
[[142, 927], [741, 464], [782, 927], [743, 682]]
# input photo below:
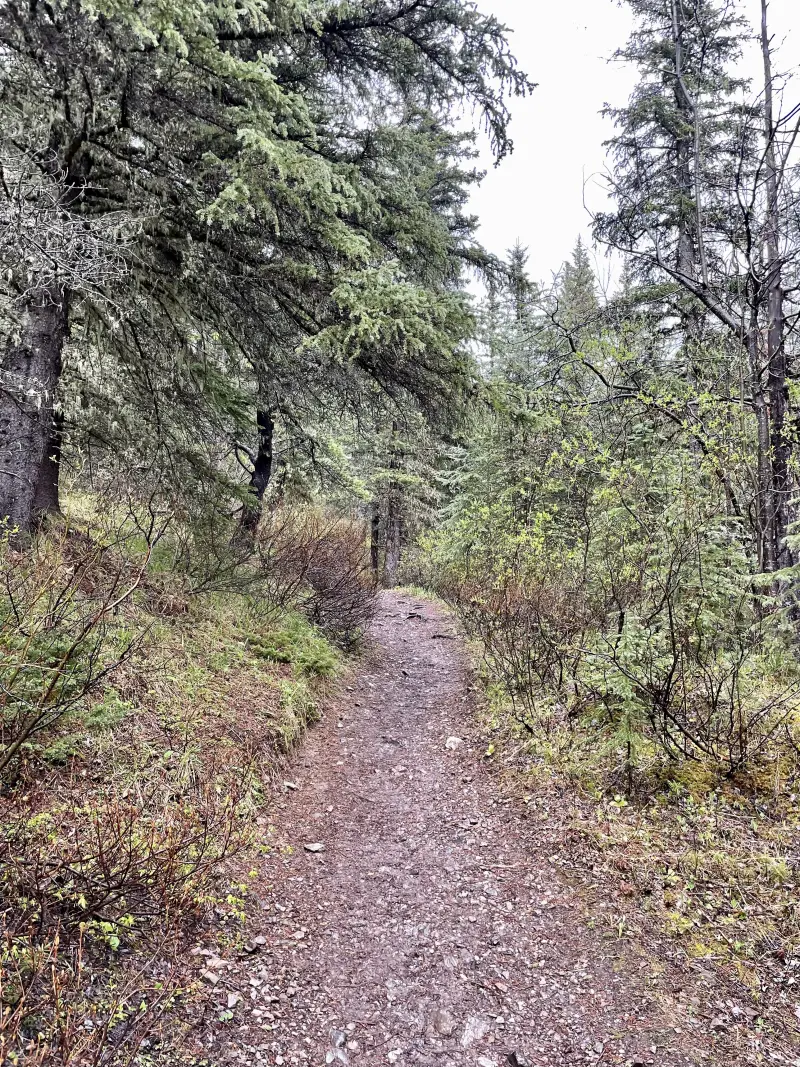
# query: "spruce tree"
[[231, 141], [706, 189]]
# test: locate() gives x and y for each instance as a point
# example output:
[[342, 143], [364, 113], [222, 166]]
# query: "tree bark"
[[765, 507], [777, 390], [262, 472], [47, 500], [29, 427], [685, 254], [375, 538], [394, 537], [394, 522]]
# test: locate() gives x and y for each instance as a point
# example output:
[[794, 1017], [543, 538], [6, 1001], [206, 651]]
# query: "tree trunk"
[[685, 253], [46, 501], [262, 472], [375, 539], [777, 390], [394, 525], [394, 535], [687, 153], [765, 508], [30, 432]]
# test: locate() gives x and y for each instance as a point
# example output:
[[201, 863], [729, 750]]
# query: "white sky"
[[564, 45]]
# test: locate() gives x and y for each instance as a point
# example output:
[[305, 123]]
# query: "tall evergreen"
[[577, 294], [706, 189], [233, 149]]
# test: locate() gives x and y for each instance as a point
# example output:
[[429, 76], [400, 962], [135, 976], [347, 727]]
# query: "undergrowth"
[[708, 861], [143, 728], [650, 685]]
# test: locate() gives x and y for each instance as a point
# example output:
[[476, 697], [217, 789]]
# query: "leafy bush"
[[641, 616], [96, 896]]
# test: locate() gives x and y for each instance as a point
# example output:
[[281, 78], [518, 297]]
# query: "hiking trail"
[[431, 929]]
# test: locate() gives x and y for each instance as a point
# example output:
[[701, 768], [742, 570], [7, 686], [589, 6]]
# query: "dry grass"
[[691, 864]]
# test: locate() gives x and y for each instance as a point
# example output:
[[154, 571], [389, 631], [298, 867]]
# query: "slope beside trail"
[[432, 929]]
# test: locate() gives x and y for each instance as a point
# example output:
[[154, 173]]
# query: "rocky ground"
[[410, 915]]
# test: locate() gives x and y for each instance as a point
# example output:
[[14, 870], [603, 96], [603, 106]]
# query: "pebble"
[[475, 1030], [443, 1022]]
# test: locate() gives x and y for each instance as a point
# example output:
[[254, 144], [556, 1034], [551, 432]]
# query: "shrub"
[[96, 897], [63, 633], [646, 623], [318, 561]]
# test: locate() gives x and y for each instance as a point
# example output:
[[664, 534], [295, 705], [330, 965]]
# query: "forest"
[[260, 381]]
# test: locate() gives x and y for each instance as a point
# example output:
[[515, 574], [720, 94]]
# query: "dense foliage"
[[244, 381], [619, 524], [207, 215]]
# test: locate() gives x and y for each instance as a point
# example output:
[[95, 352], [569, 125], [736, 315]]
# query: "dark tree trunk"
[[375, 538], [777, 390], [394, 539], [47, 500], [687, 157], [262, 472], [394, 523], [30, 442]]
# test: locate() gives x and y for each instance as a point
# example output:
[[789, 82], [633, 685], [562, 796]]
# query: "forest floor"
[[409, 911]]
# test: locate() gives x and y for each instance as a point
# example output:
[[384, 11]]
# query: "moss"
[[298, 643]]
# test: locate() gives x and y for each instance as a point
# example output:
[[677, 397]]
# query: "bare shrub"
[[318, 561], [96, 897], [114, 865], [62, 632], [56, 1012], [530, 634]]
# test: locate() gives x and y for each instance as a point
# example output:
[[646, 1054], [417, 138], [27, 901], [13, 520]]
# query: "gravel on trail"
[[408, 915]]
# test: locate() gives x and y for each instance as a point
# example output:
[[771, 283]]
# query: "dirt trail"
[[431, 929]]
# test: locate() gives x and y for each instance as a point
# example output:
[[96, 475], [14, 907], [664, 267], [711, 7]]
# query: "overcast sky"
[[565, 45]]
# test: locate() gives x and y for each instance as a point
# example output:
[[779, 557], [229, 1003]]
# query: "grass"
[[420, 593], [709, 864]]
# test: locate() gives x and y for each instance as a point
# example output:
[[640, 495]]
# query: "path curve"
[[431, 930]]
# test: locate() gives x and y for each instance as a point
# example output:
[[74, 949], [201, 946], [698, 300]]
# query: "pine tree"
[[578, 305], [521, 289], [704, 184], [676, 131], [225, 139]]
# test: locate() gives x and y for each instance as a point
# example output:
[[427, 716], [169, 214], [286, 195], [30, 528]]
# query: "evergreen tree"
[[227, 139], [677, 130], [704, 185], [578, 305], [521, 289]]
